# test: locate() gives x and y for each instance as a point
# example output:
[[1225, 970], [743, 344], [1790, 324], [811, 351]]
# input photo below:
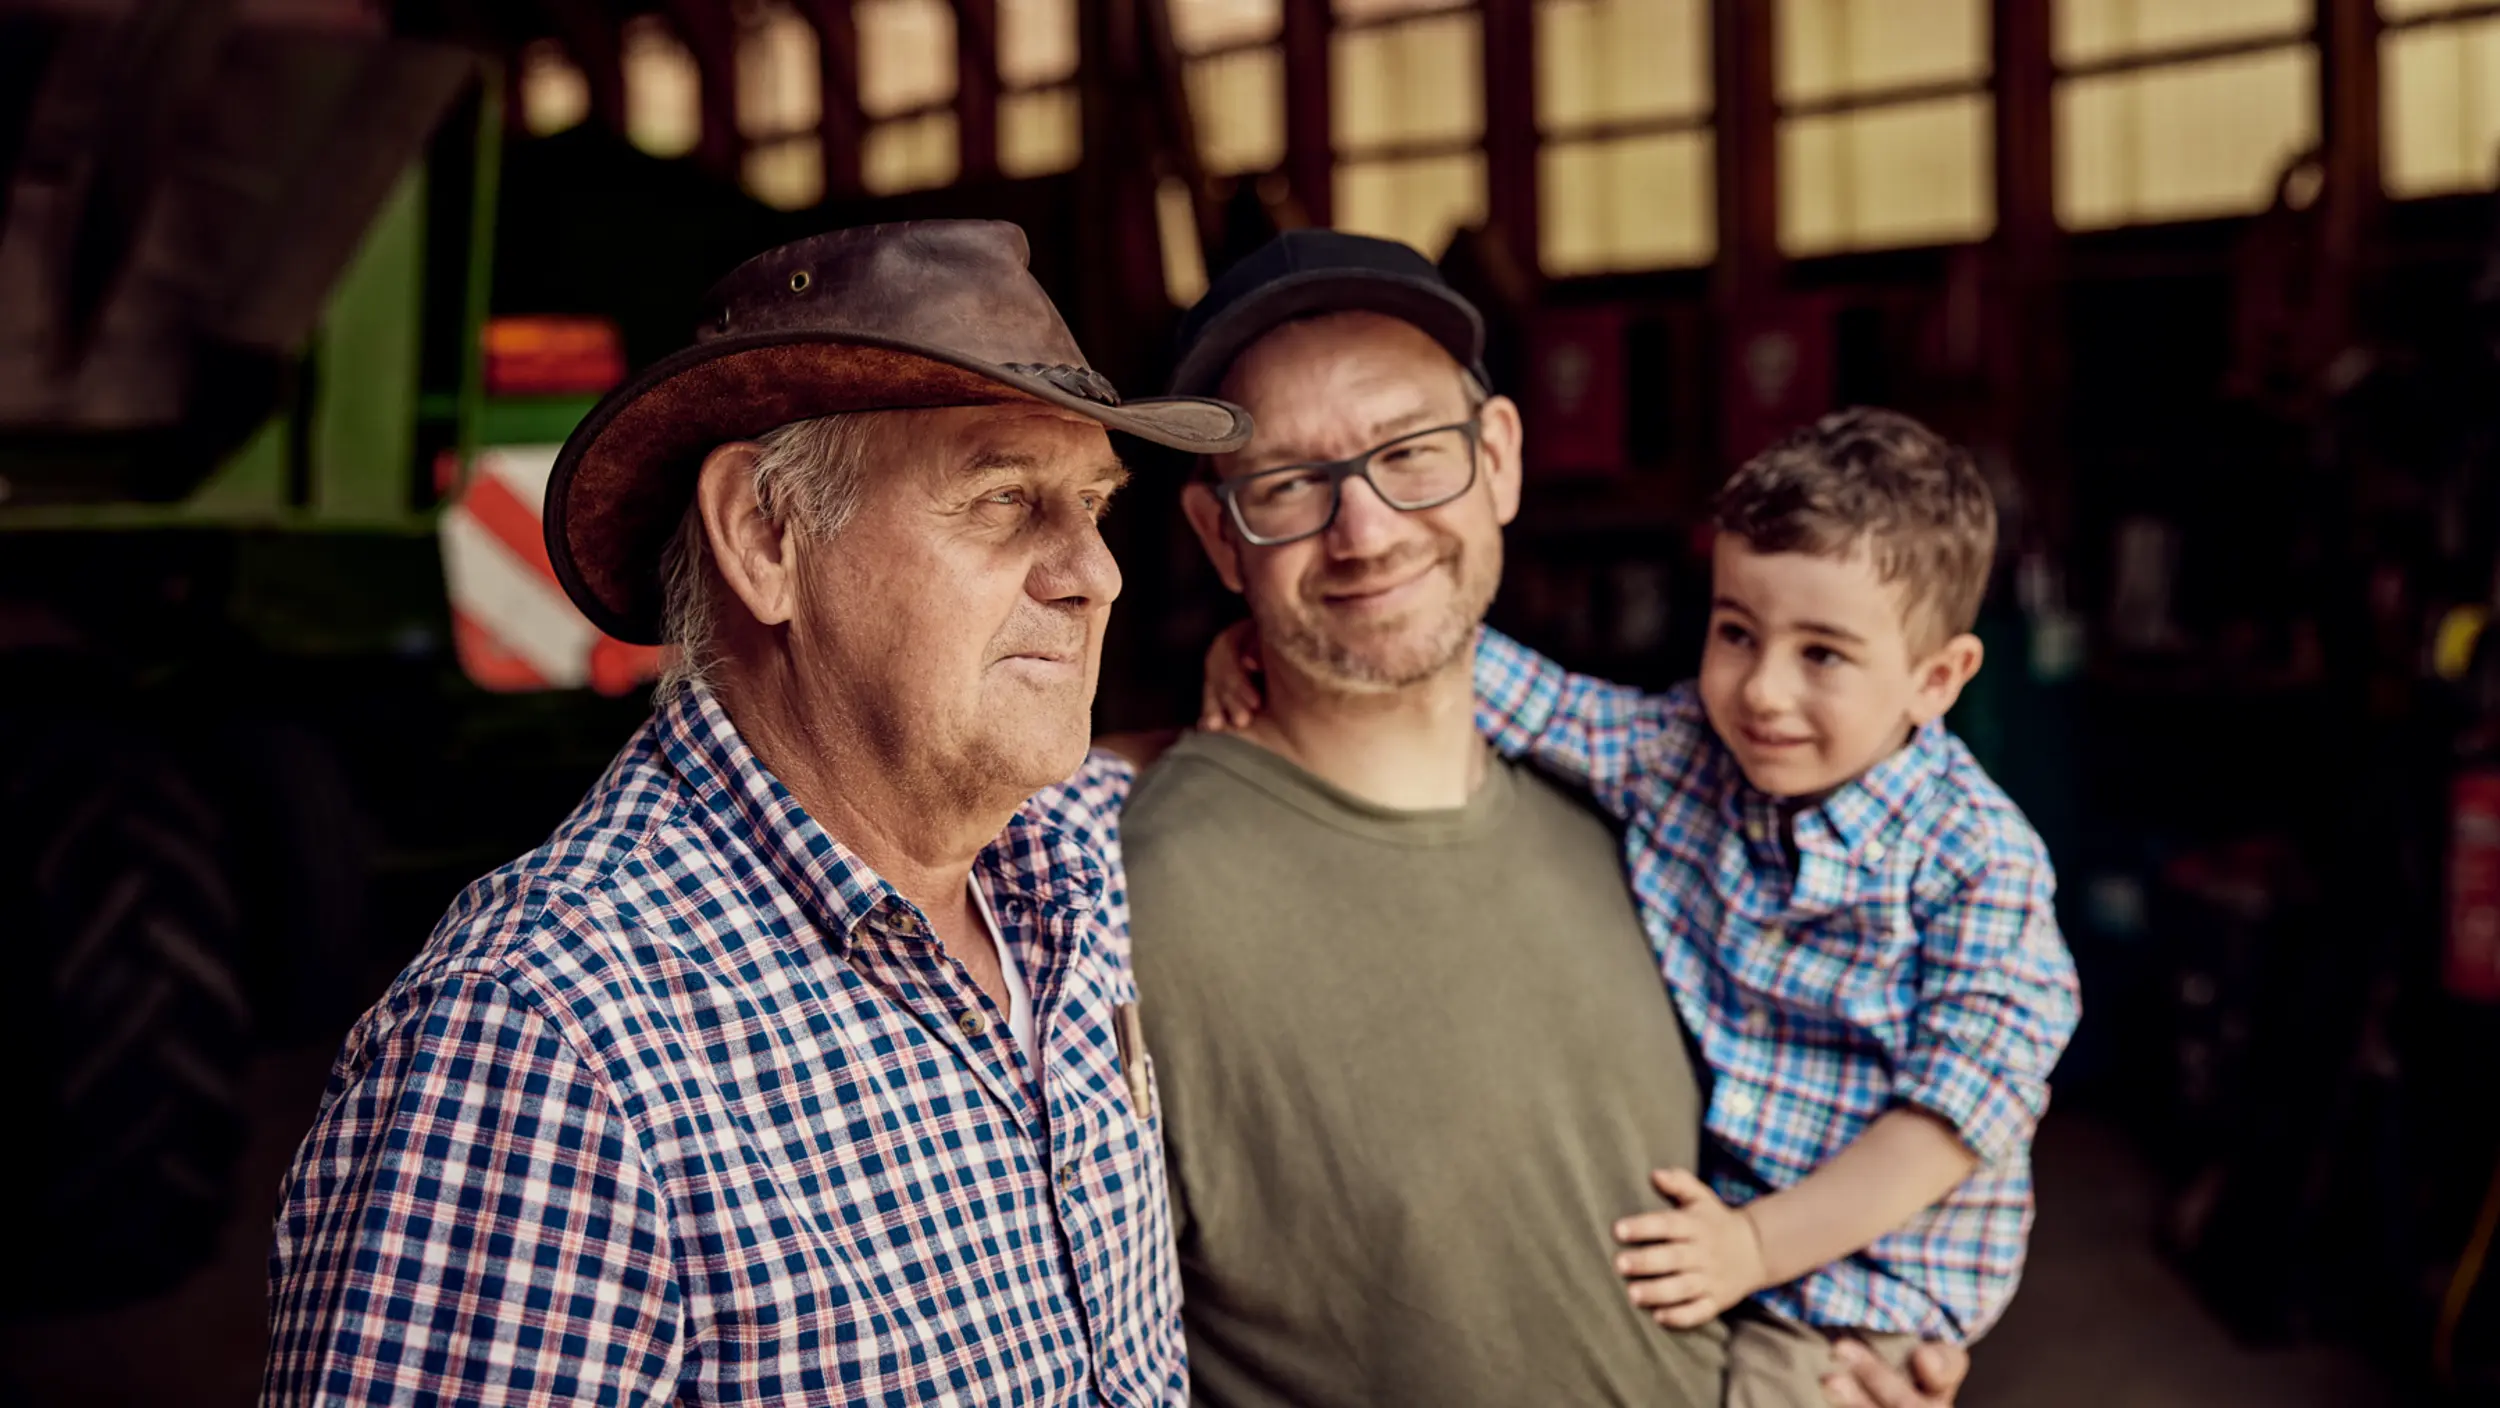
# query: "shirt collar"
[[1032, 866], [1840, 825], [1868, 806]]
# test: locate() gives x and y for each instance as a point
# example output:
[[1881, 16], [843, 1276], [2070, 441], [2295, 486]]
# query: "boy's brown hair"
[[1877, 478]]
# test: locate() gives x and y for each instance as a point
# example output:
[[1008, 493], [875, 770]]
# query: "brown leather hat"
[[881, 318]]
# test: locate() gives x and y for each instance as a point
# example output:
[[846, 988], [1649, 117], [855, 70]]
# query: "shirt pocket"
[[1852, 966]]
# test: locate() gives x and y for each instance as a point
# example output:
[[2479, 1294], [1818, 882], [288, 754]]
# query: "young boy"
[[1855, 923]]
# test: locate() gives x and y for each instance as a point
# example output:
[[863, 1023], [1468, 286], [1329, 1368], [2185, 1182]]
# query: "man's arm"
[[1606, 737], [471, 1220]]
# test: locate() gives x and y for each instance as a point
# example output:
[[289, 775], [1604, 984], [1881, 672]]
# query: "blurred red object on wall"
[[2473, 957], [552, 355], [1575, 406]]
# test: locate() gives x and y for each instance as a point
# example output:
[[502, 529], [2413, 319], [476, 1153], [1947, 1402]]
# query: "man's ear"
[[756, 556], [1937, 680], [1214, 529], [1499, 419]]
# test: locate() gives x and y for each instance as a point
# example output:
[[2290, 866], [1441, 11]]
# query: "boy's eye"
[[1732, 634], [1824, 655]]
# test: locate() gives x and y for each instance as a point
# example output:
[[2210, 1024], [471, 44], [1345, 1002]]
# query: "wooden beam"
[[841, 126], [712, 37], [2348, 100], [976, 87], [1310, 153], [2023, 338], [1741, 42], [1510, 138]]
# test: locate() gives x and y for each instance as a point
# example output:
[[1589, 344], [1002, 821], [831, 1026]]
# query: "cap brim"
[[620, 486], [1435, 308]]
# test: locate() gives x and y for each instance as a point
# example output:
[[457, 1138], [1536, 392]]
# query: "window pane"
[[1382, 9], [2440, 100], [1918, 173], [2184, 142], [906, 54], [554, 94], [1615, 60], [1832, 48], [1408, 83], [663, 89], [777, 75], [2408, 9], [1176, 230], [1238, 104], [1422, 201], [1039, 132], [789, 173], [1200, 25], [1036, 42], [2110, 29], [909, 154], [1633, 203]]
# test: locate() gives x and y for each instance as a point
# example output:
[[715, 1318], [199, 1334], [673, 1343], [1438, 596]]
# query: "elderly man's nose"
[[1078, 569]]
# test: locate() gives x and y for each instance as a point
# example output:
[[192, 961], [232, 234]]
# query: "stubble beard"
[[1390, 655]]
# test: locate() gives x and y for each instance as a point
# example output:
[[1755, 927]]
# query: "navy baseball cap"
[[1306, 273]]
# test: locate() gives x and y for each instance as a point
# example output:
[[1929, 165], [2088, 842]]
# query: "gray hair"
[[808, 476]]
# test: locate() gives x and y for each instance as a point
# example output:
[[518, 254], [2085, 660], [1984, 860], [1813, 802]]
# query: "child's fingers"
[[1682, 1187], [1669, 1292], [1691, 1315], [1659, 1259], [1656, 1227]]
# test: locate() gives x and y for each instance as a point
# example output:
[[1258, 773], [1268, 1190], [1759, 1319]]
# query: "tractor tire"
[[132, 1028]]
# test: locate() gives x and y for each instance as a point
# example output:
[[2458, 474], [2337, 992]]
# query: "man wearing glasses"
[[1414, 1054]]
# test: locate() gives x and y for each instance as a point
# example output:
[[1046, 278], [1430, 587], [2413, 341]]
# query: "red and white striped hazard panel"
[[511, 623]]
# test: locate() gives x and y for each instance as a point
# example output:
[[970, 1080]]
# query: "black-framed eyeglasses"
[[1420, 470]]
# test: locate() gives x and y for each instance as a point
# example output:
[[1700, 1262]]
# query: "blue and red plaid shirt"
[[1909, 956], [689, 1106]]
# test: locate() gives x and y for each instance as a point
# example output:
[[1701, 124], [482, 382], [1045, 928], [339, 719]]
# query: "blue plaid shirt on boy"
[[690, 1106], [1909, 957]]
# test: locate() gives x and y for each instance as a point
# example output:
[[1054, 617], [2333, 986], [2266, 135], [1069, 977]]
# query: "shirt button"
[[1771, 934], [1067, 1178], [1874, 850], [972, 1024], [1739, 1103], [1756, 1020]]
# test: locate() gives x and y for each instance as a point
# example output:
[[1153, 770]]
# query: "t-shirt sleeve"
[[471, 1219], [1610, 738], [1998, 999]]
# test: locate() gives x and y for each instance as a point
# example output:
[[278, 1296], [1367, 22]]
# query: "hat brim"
[[1435, 308], [621, 484]]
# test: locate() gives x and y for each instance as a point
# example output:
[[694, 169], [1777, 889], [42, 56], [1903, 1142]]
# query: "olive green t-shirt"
[[1413, 1066]]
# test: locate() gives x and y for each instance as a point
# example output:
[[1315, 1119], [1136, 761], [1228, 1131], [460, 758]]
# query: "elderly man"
[[797, 1066], [1413, 1045]]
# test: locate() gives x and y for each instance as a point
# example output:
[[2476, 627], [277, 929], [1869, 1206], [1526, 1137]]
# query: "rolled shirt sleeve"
[[1998, 1000]]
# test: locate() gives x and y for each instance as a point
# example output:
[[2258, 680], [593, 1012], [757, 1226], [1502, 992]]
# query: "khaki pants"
[[1775, 1362]]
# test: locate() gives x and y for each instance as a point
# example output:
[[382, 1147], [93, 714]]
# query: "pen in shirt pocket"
[[1136, 1066]]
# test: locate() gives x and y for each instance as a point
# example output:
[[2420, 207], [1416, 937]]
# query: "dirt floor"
[[2101, 1323]]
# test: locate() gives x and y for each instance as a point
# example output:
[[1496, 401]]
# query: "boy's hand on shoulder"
[[1692, 1262], [1231, 695]]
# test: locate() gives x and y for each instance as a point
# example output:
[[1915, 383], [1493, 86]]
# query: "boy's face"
[[1810, 674]]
